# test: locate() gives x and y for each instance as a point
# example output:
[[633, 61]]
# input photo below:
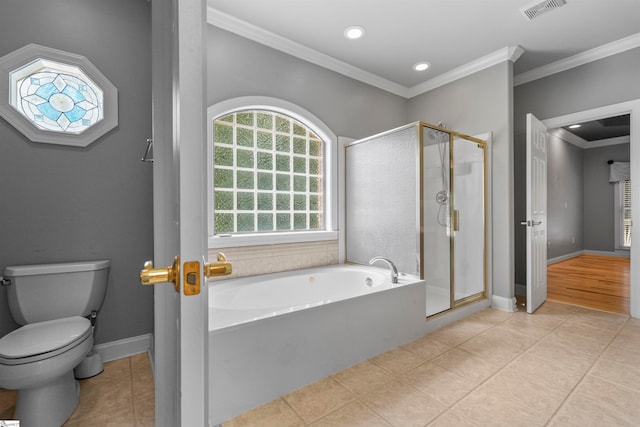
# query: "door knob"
[[150, 275], [220, 268]]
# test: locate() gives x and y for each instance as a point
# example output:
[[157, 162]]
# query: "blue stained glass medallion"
[[59, 101]]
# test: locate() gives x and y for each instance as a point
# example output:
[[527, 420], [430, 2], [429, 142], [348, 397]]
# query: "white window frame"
[[330, 176], [619, 217]]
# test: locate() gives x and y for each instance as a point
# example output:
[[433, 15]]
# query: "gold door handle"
[[220, 268], [150, 275]]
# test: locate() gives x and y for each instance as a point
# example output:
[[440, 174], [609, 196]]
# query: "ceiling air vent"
[[535, 10]]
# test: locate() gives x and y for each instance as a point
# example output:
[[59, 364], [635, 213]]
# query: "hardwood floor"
[[592, 281]]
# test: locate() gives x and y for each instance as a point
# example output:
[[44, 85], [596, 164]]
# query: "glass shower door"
[[436, 219], [468, 219]]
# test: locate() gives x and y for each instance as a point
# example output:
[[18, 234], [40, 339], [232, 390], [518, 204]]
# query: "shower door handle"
[[530, 223]]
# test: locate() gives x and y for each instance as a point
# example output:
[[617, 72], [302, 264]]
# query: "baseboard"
[[621, 254], [504, 304], [563, 258], [618, 253], [124, 348]]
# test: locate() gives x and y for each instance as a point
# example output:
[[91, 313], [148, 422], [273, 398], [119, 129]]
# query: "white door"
[[179, 170], [536, 221]]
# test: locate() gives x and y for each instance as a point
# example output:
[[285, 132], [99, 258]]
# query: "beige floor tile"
[[598, 402], [557, 308], [619, 366], [537, 395], [553, 348], [397, 361], [491, 316], [466, 365], [144, 409], [579, 343], [525, 326], [629, 336], [491, 408], [318, 399], [142, 377], [106, 395], [273, 414], [403, 405], [438, 383], [426, 347], [459, 332], [576, 326], [600, 320], [363, 377], [453, 418], [498, 346], [7, 404], [353, 414], [552, 372], [549, 321]]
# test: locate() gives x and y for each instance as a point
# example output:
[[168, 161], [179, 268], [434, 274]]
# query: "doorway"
[[633, 109]]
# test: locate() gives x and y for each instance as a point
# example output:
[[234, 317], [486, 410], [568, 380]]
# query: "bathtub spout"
[[392, 266]]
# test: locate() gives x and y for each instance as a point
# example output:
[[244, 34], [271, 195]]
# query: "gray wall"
[[473, 105], [564, 198], [604, 82], [599, 221], [64, 204], [240, 67]]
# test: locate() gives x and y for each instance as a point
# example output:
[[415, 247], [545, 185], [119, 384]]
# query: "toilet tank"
[[55, 291]]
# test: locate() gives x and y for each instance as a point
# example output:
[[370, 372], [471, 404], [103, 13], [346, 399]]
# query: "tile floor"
[[562, 366], [122, 396]]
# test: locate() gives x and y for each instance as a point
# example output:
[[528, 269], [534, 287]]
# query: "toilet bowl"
[[54, 304], [38, 359]]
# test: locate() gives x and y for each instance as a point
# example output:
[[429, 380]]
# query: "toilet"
[[56, 304]]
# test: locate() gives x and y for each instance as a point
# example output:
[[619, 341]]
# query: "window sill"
[[229, 241]]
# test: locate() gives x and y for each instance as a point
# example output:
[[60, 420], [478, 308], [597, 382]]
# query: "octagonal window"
[[56, 97]]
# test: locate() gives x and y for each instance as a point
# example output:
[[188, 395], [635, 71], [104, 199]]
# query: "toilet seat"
[[42, 340]]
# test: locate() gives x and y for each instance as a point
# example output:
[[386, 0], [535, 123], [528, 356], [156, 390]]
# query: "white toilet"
[[54, 303]]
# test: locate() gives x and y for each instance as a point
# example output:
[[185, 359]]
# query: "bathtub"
[[272, 334]]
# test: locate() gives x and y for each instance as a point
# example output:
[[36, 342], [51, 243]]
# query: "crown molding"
[[510, 53], [584, 144], [252, 32], [582, 58]]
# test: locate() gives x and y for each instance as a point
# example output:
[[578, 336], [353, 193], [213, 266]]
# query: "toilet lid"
[[43, 337]]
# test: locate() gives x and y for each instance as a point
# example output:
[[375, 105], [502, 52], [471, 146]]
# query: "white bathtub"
[[272, 334]]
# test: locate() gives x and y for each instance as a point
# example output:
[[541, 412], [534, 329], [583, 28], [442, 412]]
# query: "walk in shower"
[[416, 195]]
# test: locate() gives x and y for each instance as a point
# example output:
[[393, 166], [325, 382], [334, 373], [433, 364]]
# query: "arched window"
[[271, 175]]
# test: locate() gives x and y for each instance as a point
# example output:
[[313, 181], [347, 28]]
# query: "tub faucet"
[[392, 266]]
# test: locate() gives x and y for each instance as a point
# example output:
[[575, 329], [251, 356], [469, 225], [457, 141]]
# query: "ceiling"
[[449, 34], [452, 35]]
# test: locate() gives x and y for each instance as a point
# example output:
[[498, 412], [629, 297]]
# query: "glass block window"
[[268, 174], [56, 97]]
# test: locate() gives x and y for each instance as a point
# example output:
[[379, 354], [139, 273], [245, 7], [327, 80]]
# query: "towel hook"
[[145, 157]]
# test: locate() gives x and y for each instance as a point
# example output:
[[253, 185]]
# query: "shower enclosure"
[[416, 195]]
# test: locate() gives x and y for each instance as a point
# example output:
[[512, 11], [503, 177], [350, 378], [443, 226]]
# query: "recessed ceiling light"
[[354, 32], [421, 66], [574, 126]]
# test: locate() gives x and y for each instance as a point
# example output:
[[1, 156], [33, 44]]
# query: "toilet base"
[[90, 366], [49, 405]]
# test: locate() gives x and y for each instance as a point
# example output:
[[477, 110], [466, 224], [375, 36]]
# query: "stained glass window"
[[268, 174], [56, 97]]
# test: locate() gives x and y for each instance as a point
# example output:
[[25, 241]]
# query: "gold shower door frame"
[[453, 135]]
